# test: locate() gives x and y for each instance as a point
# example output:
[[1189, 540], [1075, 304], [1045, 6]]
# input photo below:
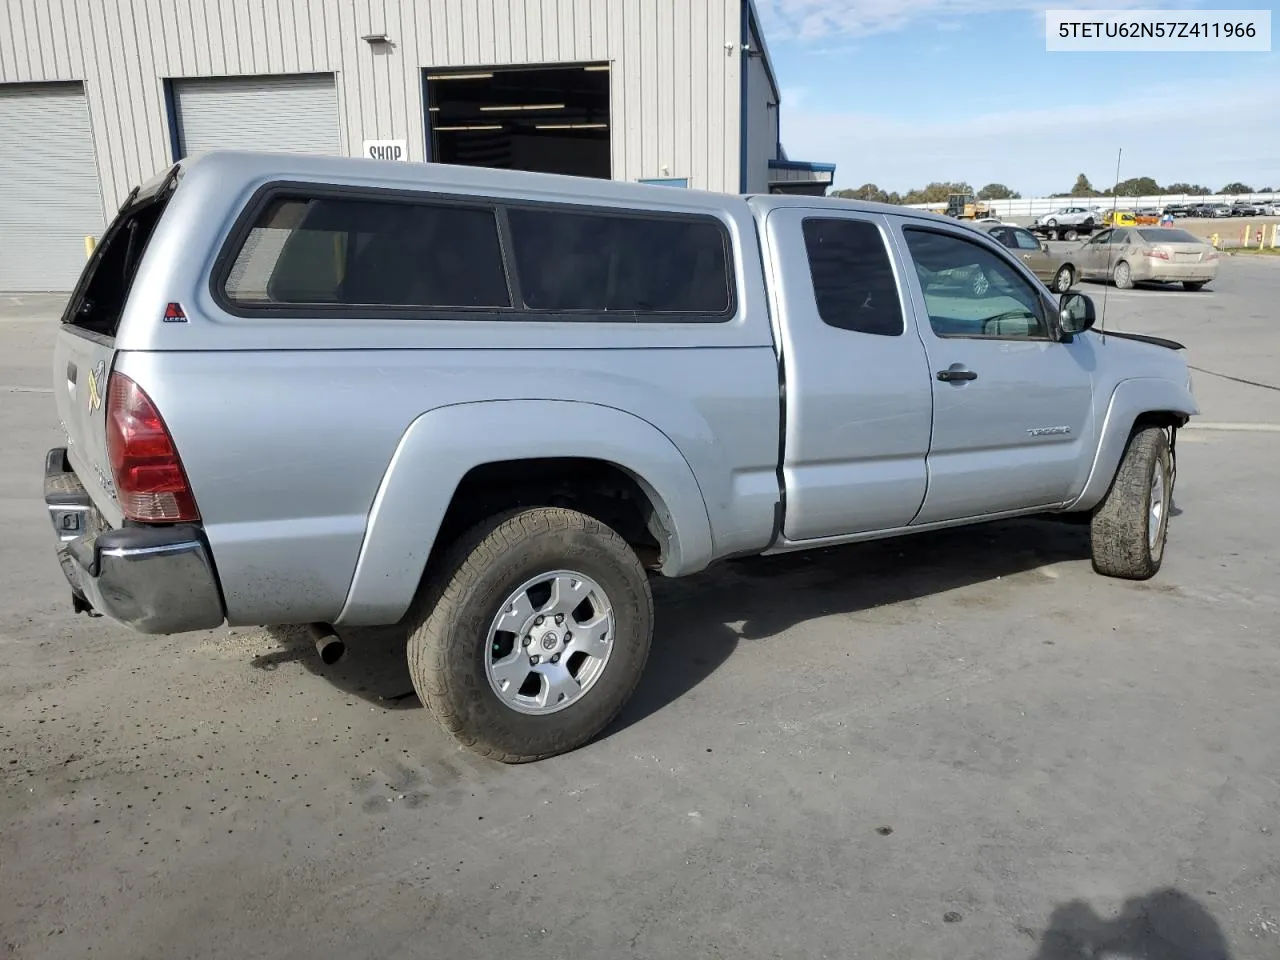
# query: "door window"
[[1001, 235], [1101, 239], [971, 291], [853, 282], [1023, 240]]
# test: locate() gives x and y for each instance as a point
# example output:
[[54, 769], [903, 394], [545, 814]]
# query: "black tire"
[[448, 640], [1123, 277], [1193, 285], [1063, 279], [1120, 528], [1070, 235]]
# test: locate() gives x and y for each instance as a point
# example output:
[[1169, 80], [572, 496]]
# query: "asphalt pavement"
[[961, 745]]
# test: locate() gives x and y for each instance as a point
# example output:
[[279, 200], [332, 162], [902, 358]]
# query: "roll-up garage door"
[[294, 114], [50, 199]]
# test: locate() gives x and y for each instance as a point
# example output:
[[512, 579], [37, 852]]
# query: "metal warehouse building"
[[98, 95]]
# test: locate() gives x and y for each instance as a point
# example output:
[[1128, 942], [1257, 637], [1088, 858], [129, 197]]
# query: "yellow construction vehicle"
[[963, 206]]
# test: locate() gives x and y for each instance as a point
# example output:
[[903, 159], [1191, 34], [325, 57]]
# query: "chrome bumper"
[[153, 579]]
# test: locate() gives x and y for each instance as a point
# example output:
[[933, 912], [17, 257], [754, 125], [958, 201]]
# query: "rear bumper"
[[1166, 272], [153, 579]]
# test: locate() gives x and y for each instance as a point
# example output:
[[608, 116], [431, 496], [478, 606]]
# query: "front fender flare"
[[1129, 401], [439, 448]]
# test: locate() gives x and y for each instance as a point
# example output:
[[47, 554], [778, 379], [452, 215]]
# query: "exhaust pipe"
[[328, 644]]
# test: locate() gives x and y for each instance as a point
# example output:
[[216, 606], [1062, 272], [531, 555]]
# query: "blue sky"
[[901, 92]]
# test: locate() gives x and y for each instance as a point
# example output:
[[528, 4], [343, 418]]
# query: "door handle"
[[956, 372]]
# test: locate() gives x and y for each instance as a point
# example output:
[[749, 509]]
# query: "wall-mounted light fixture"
[[375, 39]]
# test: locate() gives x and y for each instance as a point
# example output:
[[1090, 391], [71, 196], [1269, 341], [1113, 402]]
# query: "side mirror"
[[1044, 246], [1075, 313]]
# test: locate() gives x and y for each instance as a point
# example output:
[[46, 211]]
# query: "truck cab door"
[[1013, 423], [856, 390]]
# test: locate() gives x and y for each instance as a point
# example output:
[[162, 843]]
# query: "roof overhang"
[[800, 176]]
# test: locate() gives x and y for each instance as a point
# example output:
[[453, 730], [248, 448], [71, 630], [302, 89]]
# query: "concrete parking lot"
[[964, 745]]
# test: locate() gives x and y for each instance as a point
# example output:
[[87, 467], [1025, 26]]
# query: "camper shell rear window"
[[98, 301]]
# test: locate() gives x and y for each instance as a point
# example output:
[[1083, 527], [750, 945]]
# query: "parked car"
[[1246, 208], [1067, 223], [490, 405], [1056, 269], [1156, 254]]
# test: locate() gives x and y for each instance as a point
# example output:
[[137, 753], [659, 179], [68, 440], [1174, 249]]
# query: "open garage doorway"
[[544, 119]]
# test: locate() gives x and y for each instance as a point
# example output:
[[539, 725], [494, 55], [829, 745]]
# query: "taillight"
[[1155, 253], [150, 482]]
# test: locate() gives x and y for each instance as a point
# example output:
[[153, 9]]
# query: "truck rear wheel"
[[1129, 527], [533, 635]]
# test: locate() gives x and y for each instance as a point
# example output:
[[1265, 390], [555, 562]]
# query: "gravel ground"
[[962, 745]]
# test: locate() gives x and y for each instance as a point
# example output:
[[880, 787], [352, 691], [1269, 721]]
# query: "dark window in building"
[[336, 251], [548, 119], [853, 282], [605, 263]]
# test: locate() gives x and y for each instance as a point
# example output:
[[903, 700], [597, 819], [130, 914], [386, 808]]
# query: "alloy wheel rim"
[[1156, 508], [549, 642]]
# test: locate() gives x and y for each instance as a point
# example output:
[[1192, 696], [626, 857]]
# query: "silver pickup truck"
[[490, 405]]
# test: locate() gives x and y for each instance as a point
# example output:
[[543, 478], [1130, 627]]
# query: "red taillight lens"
[[1155, 254], [150, 482]]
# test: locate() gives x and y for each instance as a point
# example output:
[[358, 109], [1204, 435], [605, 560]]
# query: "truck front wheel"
[[533, 635], [1128, 529]]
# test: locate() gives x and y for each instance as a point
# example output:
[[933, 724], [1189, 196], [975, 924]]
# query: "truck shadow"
[[1166, 924], [700, 620]]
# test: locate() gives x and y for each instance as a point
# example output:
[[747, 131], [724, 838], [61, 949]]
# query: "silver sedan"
[[1129, 255]]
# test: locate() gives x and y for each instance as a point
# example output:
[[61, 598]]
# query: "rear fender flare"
[[1130, 400], [441, 446]]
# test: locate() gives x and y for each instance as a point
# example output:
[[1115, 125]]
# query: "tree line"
[[939, 191]]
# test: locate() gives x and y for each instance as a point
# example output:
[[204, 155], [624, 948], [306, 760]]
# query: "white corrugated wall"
[[675, 95], [49, 196], [762, 121]]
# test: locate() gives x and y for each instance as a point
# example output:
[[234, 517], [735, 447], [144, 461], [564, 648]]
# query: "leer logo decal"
[[96, 376]]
